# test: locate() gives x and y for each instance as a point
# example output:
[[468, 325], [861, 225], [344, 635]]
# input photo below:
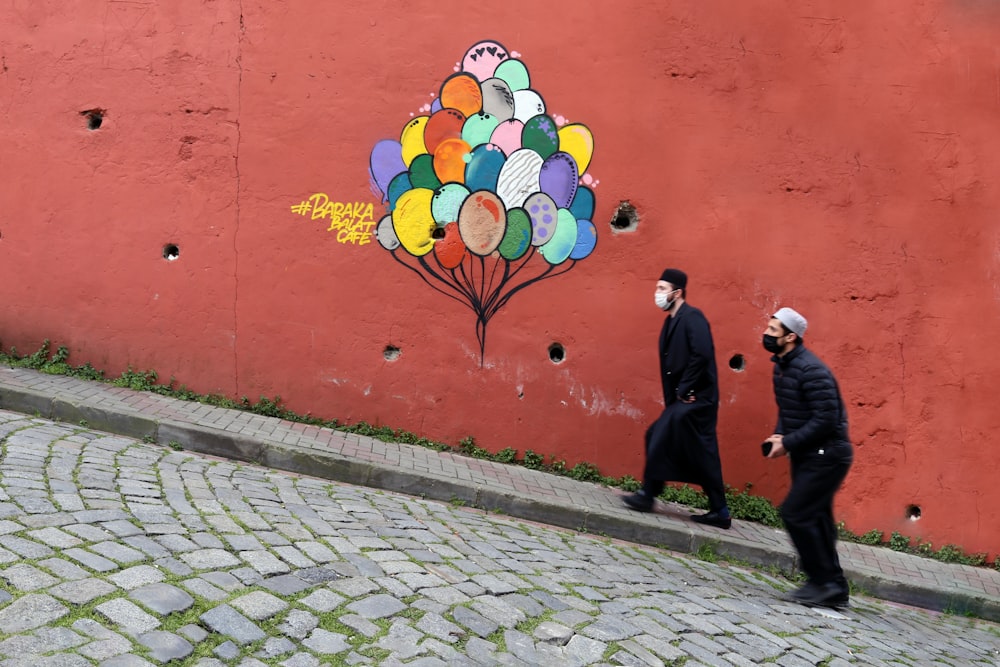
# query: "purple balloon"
[[386, 164], [559, 178]]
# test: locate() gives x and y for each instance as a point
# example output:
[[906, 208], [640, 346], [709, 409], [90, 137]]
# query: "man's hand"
[[688, 399], [777, 446]]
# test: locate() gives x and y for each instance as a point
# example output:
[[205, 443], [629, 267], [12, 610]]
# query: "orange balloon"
[[462, 92], [444, 124], [449, 160]]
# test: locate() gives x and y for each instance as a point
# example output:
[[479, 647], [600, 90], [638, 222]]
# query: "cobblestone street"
[[117, 552]]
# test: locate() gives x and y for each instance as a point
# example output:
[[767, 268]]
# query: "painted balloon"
[[577, 140], [519, 177], [450, 249], [482, 222], [497, 99], [586, 239], [397, 187], [559, 179], [461, 91], [445, 124], [447, 202], [386, 163], [449, 160], [557, 250], [507, 136], [514, 73], [386, 235], [517, 237], [484, 167], [540, 135], [482, 59], [479, 128], [544, 216], [412, 139], [527, 105], [413, 223], [582, 205], [422, 172]]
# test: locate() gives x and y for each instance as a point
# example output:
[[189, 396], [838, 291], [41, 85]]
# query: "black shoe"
[[830, 594], [809, 591], [639, 501], [713, 519]]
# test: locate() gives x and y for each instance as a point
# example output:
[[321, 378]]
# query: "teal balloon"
[[517, 238], [514, 73], [582, 205], [483, 170], [422, 172], [586, 239], [447, 202], [563, 240], [540, 134], [397, 186], [478, 128]]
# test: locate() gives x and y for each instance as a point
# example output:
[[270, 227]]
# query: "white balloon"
[[386, 235], [519, 177], [527, 105]]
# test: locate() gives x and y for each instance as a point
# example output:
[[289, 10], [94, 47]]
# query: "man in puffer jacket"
[[812, 430]]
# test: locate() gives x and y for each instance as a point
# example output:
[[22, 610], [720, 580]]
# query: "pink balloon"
[[482, 59], [507, 136]]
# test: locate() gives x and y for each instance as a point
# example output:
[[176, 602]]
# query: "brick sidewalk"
[[446, 476]]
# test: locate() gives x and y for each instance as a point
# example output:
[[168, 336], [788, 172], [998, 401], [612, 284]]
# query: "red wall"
[[840, 158]]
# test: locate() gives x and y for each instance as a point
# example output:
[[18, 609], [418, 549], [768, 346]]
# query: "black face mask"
[[771, 344]]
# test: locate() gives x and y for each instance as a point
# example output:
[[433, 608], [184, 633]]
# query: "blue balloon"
[[582, 205], [397, 187], [484, 167], [586, 239]]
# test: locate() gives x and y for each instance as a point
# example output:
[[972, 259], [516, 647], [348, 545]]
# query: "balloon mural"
[[484, 192]]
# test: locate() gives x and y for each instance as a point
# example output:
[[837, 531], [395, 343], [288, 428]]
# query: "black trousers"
[[808, 512]]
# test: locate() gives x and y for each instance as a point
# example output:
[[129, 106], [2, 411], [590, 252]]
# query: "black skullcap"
[[675, 277]]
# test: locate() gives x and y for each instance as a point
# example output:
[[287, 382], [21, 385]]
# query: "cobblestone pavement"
[[117, 552]]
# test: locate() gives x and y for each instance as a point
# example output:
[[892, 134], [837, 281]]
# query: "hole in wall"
[[738, 363], [391, 353], [557, 353], [438, 233], [171, 252], [913, 512], [94, 118], [626, 218]]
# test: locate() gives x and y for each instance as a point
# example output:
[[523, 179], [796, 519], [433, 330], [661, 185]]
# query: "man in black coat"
[[681, 446], [812, 430]]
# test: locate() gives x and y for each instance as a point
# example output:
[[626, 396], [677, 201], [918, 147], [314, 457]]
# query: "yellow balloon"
[[413, 222], [412, 139], [577, 140]]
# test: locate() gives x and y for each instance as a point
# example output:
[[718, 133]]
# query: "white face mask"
[[661, 300]]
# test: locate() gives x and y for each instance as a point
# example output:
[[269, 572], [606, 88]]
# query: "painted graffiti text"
[[353, 221]]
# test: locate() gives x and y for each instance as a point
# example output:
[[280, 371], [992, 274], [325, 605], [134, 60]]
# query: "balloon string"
[[429, 283]]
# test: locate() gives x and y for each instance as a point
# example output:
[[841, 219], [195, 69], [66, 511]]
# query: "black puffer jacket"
[[811, 413]]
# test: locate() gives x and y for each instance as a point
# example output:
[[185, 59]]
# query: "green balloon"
[[540, 134], [422, 172], [563, 240], [517, 238]]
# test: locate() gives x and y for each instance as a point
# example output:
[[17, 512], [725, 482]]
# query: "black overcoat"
[[682, 445]]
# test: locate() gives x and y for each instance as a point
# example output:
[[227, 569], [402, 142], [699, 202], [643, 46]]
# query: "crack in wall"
[[236, 233]]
